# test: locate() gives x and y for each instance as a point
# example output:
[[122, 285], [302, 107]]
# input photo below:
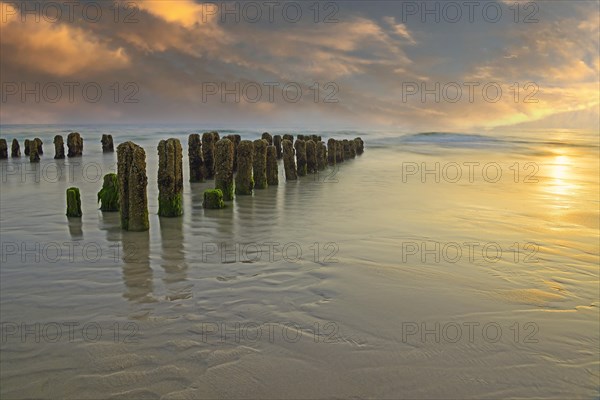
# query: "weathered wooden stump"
[[339, 151], [3, 149], [321, 156], [208, 154], [267, 136], [260, 164], [277, 144], [195, 158], [39, 144], [360, 145], [272, 167], [15, 150], [224, 168], [133, 200], [59, 147], [300, 147], [235, 139], [213, 199], [108, 196], [107, 144], [346, 146], [311, 157], [243, 179], [289, 163], [170, 178], [26, 146], [73, 203], [33, 151], [352, 144], [75, 145], [331, 151], [289, 137]]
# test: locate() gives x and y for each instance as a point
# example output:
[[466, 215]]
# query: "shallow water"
[[367, 280]]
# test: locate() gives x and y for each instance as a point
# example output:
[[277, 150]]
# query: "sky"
[[405, 65]]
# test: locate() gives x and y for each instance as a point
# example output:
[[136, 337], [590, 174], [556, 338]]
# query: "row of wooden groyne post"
[[237, 166]]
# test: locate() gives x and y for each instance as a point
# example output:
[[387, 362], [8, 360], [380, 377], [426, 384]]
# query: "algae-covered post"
[[133, 200], [224, 168], [33, 151], [75, 145], [213, 199], [289, 163], [3, 149], [352, 148], [235, 139], [39, 144], [339, 151], [289, 137], [272, 167], [331, 151], [277, 144], [260, 164], [170, 178], [15, 150], [311, 157], [346, 146], [59, 147], [26, 146], [267, 136], [73, 202], [243, 180], [108, 196], [107, 144], [321, 156], [360, 145], [208, 154], [300, 147], [195, 158]]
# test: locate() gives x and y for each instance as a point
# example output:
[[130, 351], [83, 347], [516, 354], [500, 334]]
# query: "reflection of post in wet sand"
[[173, 254], [137, 273], [75, 228]]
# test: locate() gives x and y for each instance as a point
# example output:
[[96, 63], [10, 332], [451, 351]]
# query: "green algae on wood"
[[59, 147], [73, 202], [244, 183], [133, 200], [108, 196], [260, 164], [195, 158], [170, 178], [289, 163], [213, 199], [224, 168]]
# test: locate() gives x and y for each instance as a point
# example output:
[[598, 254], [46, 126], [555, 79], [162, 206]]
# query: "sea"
[[433, 265]]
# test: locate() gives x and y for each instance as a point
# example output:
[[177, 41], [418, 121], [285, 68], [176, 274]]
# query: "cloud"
[[57, 49]]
